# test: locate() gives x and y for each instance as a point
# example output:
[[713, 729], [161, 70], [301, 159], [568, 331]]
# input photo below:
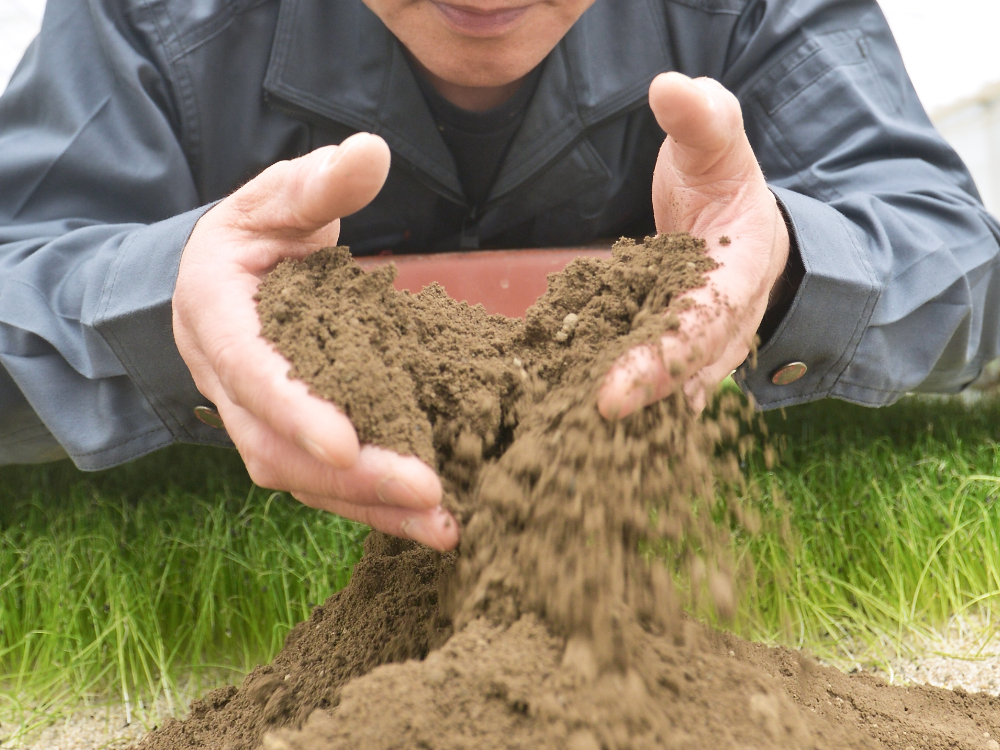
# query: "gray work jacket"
[[128, 118]]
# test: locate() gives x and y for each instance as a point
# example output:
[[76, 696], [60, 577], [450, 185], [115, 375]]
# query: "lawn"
[[174, 573], [894, 520], [154, 580]]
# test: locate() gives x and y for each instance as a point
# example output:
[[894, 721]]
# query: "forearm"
[[97, 202], [86, 341], [899, 257], [900, 299]]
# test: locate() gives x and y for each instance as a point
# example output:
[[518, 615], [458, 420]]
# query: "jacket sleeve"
[[96, 204], [901, 290]]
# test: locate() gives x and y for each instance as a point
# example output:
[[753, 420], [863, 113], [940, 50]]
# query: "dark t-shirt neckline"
[[478, 141]]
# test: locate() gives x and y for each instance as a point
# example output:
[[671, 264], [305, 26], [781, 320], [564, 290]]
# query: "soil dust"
[[556, 624]]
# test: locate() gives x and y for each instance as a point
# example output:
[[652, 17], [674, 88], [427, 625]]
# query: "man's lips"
[[471, 22]]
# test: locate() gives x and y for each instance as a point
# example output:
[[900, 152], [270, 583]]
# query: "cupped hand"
[[707, 182], [289, 439]]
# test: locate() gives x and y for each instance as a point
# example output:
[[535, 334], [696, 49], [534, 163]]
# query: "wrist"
[[787, 283], [782, 256]]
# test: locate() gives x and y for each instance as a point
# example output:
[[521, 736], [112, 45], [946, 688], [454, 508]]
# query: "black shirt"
[[478, 141]]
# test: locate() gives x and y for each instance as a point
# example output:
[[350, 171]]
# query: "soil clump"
[[550, 627]]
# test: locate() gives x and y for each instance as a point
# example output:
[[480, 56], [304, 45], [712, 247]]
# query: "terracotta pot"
[[503, 281]]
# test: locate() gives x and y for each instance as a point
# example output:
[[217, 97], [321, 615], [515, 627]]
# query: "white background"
[[949, 46], [19, 22]]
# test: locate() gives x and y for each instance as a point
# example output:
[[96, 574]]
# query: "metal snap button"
[[209, 416], [789, 373]]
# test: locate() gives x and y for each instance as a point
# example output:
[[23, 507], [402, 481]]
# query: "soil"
[[551, 627]]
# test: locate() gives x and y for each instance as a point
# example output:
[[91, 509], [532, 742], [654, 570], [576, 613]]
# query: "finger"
[[305, 195], [435, 527], [700, 388], [701, 117], [695, 393], [650, 372], [387, 478], [379, 478], [254, 377], [640, 377]]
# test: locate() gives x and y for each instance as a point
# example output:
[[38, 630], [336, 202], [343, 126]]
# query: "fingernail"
[[417, 530], [436, 529], [392, 491], [332, 159], [342, 149], [320, 453]]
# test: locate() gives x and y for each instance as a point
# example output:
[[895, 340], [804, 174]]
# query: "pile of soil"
[[552, 626]]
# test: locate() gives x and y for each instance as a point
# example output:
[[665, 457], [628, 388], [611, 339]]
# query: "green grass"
[[154, 579], [136, 583], [895, 526]]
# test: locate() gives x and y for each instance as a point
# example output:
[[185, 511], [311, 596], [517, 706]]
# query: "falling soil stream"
[[555, 625]]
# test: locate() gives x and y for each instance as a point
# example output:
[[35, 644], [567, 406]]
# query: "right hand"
[[290, 439]]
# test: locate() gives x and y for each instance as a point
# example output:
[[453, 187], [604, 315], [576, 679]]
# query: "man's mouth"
[[482, 23]]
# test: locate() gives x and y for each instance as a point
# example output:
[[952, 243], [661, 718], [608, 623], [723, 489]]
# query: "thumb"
[[298, 197], [703, 120]]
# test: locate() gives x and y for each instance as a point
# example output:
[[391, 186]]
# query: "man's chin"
[[477, 63]]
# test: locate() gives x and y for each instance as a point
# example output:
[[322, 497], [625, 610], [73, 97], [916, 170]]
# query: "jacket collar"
[[336, 60]]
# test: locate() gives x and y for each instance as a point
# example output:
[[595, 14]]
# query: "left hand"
[[708, 183]]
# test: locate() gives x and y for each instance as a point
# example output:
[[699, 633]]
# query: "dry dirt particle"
[[564, 634]]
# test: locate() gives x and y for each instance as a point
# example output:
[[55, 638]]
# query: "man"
[[859, 248]]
